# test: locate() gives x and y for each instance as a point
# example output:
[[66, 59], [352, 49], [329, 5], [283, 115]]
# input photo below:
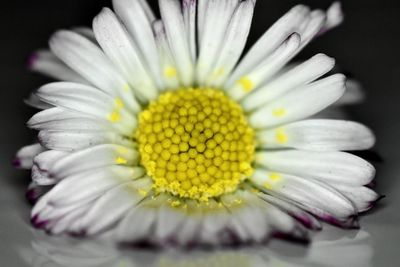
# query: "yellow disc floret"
[[195, 143]]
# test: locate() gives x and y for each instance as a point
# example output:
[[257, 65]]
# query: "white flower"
[[158, 134]]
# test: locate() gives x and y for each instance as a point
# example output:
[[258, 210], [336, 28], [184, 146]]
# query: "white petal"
[[77, 97], [233, 44], [46, 159], [91, 184], [119, 47], [282, 223], [362, 197], [53, 114], [35, 192], [218, 15], [88, 60], [172, 16], [190, 230], [189, 17], [77, 140], [41, 177], [93, 157], [137, 225], [334, 16], [256, 221], [39, 206], [110, 208], [239, 88], [304, 217], [24, 157], [72, 124], [167, 224], [276, 220], [316, 21], [42, 164], [135, 16], [90, 101], [316, 197], [57, 220], [213, 227], [298, 76], [51, 214], [329, 167], [300, 103], [147, 9], [240, 232], [170, 74], [271, 40], [65, 224], [60, 119], [48, 64], [244, 223], [319, 135]]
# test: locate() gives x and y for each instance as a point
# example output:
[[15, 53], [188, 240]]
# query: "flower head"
[[159, 133]]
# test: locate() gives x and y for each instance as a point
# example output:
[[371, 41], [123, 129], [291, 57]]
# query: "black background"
[[367, 45]]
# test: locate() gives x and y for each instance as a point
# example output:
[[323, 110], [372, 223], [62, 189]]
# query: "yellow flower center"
[[195, 143]]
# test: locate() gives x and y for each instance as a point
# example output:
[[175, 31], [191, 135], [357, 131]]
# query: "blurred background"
[[366, 46]]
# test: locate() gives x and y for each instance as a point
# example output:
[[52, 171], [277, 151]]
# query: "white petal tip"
[[325, 59], [335, 15]]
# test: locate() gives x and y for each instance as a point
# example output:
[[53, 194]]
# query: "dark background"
[[367, 45]]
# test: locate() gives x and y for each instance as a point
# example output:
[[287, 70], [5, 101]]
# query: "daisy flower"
[[161, 132]]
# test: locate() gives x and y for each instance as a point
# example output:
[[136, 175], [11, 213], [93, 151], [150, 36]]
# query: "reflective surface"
[[328, 249], [365, 44], [344, 251]]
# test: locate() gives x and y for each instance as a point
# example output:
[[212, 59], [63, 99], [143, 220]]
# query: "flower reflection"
[[328, 249]]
